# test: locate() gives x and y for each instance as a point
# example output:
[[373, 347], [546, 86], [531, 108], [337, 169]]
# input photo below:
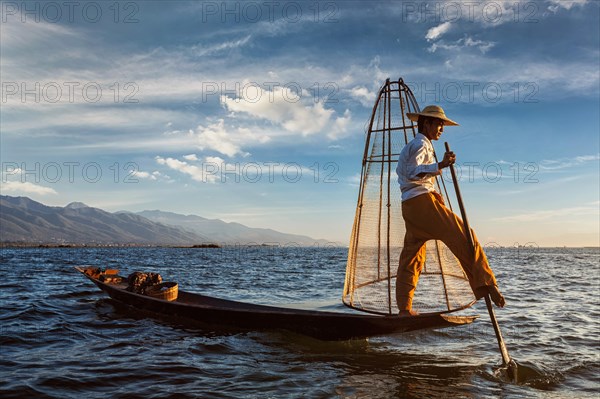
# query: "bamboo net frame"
[[378, 229]]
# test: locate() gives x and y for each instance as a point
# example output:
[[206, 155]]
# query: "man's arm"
[[449, 159]]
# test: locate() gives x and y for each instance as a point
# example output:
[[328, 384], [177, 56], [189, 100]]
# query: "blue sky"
[[255, 112]]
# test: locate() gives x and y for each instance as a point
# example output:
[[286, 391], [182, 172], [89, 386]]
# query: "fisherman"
[[427, 218]]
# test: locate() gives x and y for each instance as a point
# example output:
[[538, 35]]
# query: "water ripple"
[[62, 338]]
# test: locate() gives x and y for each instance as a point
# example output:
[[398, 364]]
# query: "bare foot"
[[408, 313], [496, 296]]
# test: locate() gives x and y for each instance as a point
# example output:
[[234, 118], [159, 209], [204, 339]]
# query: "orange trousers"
[[427, 218]]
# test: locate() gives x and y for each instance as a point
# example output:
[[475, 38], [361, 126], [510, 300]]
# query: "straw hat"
[[432, 111]]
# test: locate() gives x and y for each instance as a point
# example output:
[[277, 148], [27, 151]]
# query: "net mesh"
[[378, 229]]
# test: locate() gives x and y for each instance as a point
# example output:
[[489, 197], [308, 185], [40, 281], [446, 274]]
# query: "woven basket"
[[167, 291]]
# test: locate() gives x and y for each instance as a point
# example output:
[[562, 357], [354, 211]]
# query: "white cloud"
[[492, 12], [537, 78], [292, 111], [25, 188], [483, 46], [202, 50], [586, 158], [363, 95], [566, 4], [487, 13], [354, 180], [340, 126], [19, 39], [13, 182], [212, 169], [483, 12], [208, 170], [228, 139], [215, 160], [464, 42], [142, 175], [172, 74], [591, 209], [564, 163], [281, 106], [156, 175], [54, 117], [190, 157], [437, 31], [197, 173], [216, 137]]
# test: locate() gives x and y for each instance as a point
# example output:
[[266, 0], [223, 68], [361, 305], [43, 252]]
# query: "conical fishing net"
[[378, 230]]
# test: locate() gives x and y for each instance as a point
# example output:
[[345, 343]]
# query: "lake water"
[[61, 337]]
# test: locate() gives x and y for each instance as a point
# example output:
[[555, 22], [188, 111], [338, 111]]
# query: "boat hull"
[[245, 316]]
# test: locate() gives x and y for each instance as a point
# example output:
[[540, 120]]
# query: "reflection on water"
[[61, 337]]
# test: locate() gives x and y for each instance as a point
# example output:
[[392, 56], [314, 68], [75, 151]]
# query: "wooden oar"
[[505, 357]]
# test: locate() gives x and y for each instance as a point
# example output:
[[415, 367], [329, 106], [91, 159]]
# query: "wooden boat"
[[323, 325]]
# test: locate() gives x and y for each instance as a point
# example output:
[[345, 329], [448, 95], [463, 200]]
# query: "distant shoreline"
[[205, 245], [101, 245], [139, 245]]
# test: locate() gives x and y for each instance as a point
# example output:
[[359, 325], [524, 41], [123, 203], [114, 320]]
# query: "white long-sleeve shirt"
[[415, 158]]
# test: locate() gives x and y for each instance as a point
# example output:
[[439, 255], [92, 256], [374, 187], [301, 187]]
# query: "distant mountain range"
[[23, 220], [227, 233]]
